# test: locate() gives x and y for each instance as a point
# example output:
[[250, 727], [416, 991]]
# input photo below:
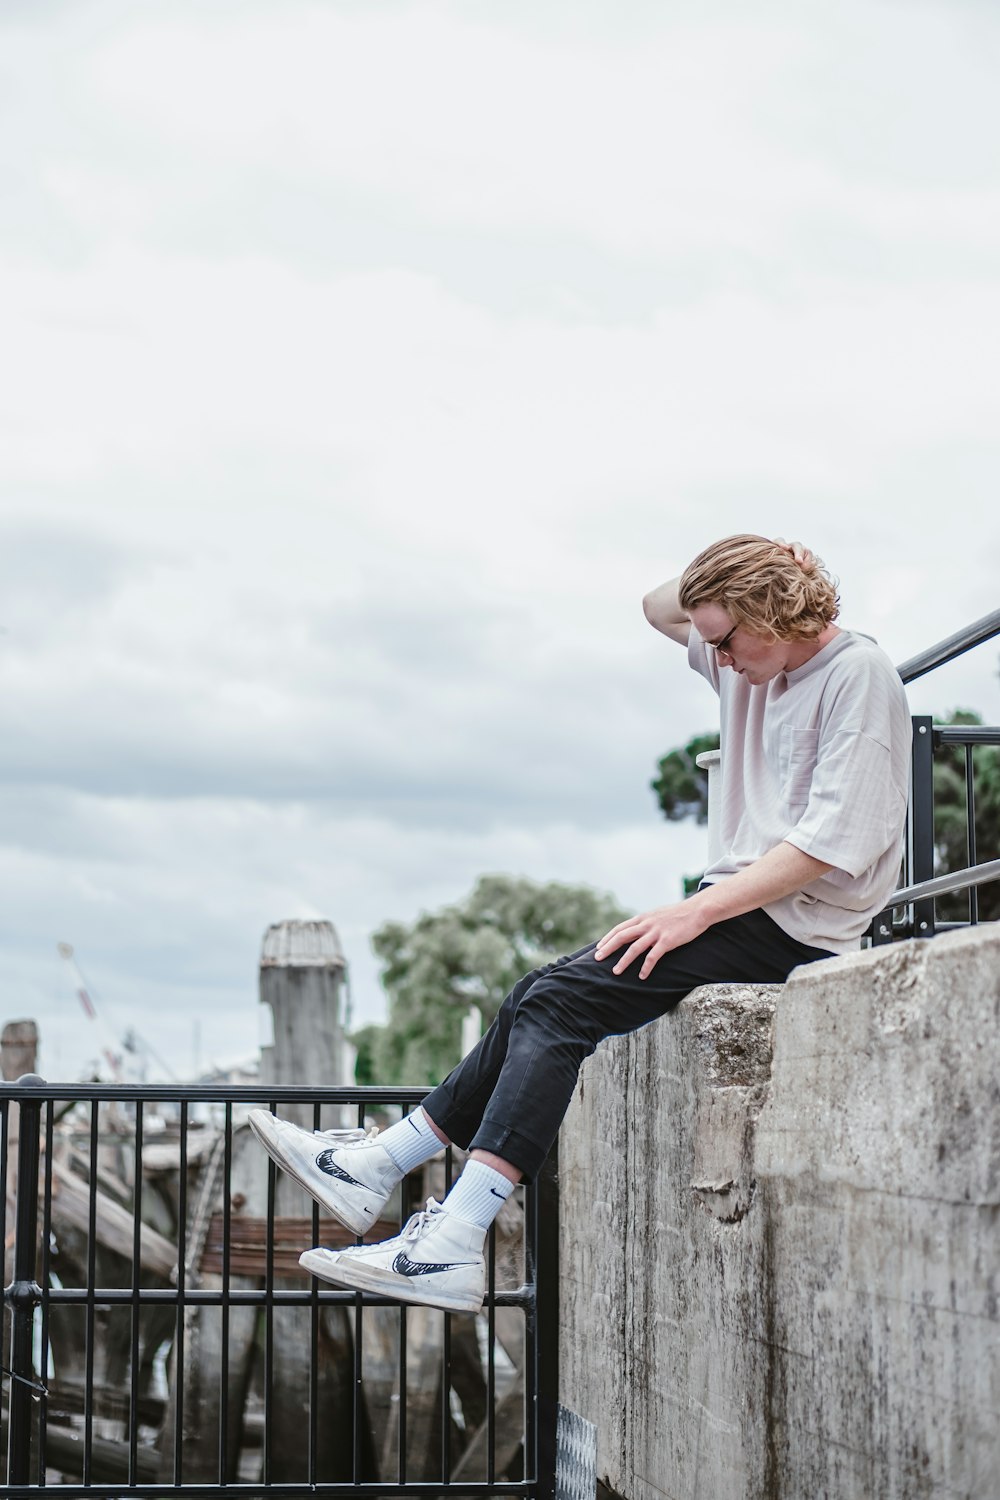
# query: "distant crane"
[[112, 1050]]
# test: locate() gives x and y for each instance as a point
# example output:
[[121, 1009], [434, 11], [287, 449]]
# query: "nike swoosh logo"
[[326, 1164], [501, 1196], [407, 1267]]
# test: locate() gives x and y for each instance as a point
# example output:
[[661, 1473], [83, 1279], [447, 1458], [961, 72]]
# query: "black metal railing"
[[913, 907], [162, 1341]]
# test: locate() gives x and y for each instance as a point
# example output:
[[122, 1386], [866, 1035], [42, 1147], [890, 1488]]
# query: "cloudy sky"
[[362, 366]]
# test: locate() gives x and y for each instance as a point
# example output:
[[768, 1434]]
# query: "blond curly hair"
[[761, 586]]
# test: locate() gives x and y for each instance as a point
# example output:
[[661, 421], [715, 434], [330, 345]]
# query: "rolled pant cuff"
[[474, 1134], [457, 1126], [522, 1152]]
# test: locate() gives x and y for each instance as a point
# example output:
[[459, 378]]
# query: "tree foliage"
[[682, 792], [364, 1041], [951, 819], [681, 786], [469, 954]]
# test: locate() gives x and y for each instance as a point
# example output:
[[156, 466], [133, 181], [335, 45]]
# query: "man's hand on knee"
[[654, 933]]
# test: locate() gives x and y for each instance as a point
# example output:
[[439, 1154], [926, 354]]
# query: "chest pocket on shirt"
[[796, 763]]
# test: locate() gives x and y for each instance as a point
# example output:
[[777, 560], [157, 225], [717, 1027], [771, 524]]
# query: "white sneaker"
[[437, 1260], [346, 1171]]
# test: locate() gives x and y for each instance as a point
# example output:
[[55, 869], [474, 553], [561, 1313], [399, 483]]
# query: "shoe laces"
[[348, 1138], [419, 1222]]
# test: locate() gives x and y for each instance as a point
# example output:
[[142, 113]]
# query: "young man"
[[815, 757]]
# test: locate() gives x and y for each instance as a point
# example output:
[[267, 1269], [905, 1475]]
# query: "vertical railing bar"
[[491, 1334], [358, 1335], [358, 1376], [546, 1330], [23, 1289], [269, 1312], [88, 1389], [43, 1363], [970, 813], [4, 1108], [401, 1428], [181, 1287], [531, 1330], [227, 1211], [314, 1338], [921, 822], [404, 1205], [133, 1393], [446, 1399], [449, 1163]]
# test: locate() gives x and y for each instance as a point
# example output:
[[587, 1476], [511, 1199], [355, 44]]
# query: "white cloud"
[[691, 136], [365, 365], [166, 902]]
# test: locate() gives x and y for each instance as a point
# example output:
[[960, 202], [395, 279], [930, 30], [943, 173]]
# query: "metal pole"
[[547, 1325], [881, 928], [922, 821], [24, 1294], [945, 651]]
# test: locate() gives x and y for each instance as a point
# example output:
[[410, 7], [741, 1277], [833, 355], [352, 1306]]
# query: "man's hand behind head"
[[800, 553]]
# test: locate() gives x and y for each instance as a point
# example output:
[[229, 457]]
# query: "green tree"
[[681, 786], [951, 819], [682, 792], [364, 1041], [470, 954]]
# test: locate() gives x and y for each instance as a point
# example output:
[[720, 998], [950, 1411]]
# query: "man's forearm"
[[661, 606], [780, 872]]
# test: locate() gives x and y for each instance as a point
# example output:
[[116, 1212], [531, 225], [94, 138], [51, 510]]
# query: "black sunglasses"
[[723, 645]]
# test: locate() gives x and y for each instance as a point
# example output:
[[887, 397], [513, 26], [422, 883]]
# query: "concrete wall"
[[780, 1270]]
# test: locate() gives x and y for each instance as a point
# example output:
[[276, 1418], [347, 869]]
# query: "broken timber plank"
[[248, 1238], [115, 1225], [508, 1437]]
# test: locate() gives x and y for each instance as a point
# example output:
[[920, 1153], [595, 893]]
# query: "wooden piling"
[[301, 980]]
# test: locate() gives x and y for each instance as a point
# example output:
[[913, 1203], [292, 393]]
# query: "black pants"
[[511, 1092]]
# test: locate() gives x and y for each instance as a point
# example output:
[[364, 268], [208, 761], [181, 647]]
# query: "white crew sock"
[[478, 1195], [410, 1142]]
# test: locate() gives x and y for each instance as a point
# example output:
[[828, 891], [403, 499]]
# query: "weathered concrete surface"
[[779, 1278]]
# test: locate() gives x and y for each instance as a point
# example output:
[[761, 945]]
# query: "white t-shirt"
[[819, 758]]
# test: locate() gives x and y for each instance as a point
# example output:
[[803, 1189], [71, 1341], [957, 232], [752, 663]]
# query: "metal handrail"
[[947, 650], [941, 885], [966, 734], [202, 1459]]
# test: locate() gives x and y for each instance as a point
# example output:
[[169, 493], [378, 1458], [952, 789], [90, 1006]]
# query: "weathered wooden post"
[[19, 1046], [302, 974], [19, 1050], [302, 971]]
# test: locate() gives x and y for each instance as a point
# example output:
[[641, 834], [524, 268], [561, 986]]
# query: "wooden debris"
[[67, 1398], [115, 1226], [508, 1437], [292, 1235], [108, 1457]]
